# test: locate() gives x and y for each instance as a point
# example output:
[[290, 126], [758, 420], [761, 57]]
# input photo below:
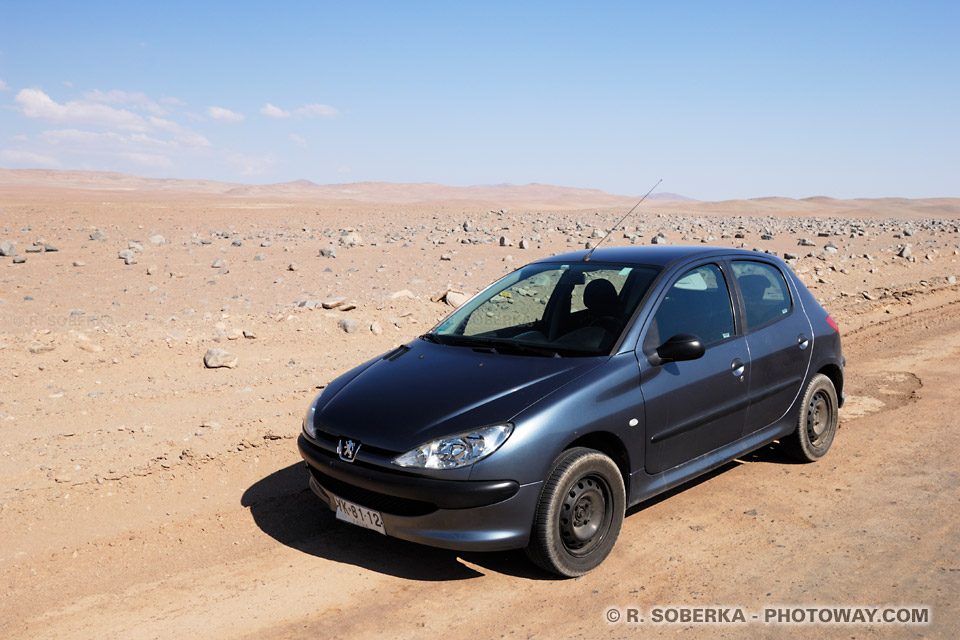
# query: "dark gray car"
[[579, 385]]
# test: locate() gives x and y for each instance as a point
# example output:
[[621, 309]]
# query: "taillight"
[[832, 323]]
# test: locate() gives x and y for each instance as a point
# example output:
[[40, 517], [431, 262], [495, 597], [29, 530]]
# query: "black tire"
[[579, 515], [816, 421]]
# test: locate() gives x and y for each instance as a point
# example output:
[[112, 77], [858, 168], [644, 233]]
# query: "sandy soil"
[[145, 496]]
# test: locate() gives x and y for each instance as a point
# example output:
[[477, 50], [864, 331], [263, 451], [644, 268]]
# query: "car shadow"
[[284, 508]]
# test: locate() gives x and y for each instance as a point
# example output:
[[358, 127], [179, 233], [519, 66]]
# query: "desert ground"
[[144, 495]]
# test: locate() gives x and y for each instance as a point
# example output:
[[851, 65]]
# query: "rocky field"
[[158, 349]]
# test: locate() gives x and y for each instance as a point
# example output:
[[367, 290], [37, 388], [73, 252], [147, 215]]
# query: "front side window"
[[551, 309], [764, 291], [698, 303]]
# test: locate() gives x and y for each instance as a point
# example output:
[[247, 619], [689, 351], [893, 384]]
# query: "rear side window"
[[697, 303], [765, 293]]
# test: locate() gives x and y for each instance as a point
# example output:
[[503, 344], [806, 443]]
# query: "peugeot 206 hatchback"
[[579, 385]]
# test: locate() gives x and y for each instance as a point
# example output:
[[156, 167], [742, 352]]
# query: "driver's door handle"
[[737, 367], [803, 341]]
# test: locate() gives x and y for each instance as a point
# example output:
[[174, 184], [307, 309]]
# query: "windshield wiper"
[[524, 347], [430, 337], [500, 346]]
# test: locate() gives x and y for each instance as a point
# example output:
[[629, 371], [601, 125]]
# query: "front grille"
[[372, 499]]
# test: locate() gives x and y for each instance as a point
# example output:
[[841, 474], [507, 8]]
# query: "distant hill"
[[32, 183], [382, 192]]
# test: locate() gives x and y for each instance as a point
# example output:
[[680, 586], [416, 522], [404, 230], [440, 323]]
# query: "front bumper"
[[462, 515]]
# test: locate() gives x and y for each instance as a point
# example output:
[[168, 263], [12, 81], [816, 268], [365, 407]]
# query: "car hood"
[[424, 391]]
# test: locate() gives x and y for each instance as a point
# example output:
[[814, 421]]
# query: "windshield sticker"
[[625, 271]]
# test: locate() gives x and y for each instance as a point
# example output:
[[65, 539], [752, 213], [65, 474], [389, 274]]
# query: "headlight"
[[308, 427], [459, 450]]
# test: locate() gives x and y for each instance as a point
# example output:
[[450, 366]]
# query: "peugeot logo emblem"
[[347, 450]]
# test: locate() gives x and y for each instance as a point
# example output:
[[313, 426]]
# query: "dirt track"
[[209, 530]]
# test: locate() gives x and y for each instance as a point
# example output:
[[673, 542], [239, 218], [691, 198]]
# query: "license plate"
[[360, 516]]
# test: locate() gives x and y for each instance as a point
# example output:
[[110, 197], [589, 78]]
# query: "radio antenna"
[[586, 258]]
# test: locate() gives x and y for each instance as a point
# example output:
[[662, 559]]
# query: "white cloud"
[[306, 111], [174, 101], [300, 141], [311, 110], [3, 85], [20, 159], [135, 98], [68, 83], [274, 112], [35, 104], [224, 115]]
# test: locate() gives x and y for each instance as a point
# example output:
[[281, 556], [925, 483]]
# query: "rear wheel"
[[579, 514], [816, 422]]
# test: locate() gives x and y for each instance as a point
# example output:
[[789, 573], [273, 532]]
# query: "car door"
[[779, 337], [696, 406]]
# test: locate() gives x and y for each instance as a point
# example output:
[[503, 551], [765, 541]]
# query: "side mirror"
[[683, 346]]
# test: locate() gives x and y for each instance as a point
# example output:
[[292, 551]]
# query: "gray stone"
[[216, 358], [790, 256], [236, 243], [906, 252], [50, 248], [333, 303], [806, 242], [157, 240], [524, 244], [34, 249], [265, 243], [328, 251], [349, 326], [259, 257], [505, 242], [375, 328], [99, 236], [7, 249], [218, 263], [20, 260], [446, 257]]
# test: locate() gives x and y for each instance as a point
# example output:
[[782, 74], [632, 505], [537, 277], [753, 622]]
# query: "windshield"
[[552, 309]]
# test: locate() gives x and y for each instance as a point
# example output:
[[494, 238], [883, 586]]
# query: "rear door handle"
[[737, 367], [803, 341]]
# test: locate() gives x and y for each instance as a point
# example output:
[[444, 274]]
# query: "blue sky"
[[721, 100]]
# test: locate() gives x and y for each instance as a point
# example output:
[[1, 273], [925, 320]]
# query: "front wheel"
[[579, 515], [816, 422]]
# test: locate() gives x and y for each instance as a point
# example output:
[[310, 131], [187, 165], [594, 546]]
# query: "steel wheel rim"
[[585, 514], [819, 417]]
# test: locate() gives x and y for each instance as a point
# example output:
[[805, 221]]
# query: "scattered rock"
[[292, 266], [99, 236], [805, 242], [249, 335], [218, 263], [152, 270], [20, 260], [349, 326], [524, 244], [906, 252], [333, 303], [505, 241], [215, 358], [157, 240], [328, 251], [7, 249], [375, 328], [446, 257]]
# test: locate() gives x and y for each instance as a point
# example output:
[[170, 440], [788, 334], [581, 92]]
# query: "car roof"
[[649, 255]]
